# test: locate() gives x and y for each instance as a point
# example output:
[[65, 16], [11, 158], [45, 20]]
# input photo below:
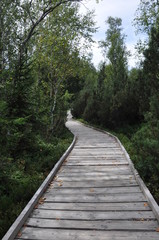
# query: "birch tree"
[[59, 48]]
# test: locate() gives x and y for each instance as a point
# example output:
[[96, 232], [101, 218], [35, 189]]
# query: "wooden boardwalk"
[[94, 196]]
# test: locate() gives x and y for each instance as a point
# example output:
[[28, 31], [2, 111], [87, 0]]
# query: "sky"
[[125, 9]]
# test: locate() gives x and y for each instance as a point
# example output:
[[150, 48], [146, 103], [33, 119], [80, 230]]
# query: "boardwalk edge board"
[[19, 222], [145, 190]]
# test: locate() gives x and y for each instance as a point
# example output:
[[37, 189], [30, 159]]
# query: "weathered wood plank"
[[66, 168], [96, 158], [96, 151], [112, 190], [97, 163], [94, 225], [132, 206], [99, 153], [91, 184], [91, 178], [95, 174], [74, 172], [137, 197], [59, 234], [99, 146], [90, 215]]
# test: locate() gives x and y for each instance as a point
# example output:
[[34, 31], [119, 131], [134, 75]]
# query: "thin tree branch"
[[45, 13]]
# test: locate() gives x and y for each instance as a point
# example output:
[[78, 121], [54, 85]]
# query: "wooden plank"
[[90, 184], [112, 190], [59, 234], [96, 174], [96, 156], [113, 168], [104, 168], [94, 225], [91, 178], [132, 206], [96, 163], [89, 215], [96, 160], [99, 146], [137, 197], [96, 151]]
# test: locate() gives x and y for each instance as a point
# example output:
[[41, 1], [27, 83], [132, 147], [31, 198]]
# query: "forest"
[[46, 68]]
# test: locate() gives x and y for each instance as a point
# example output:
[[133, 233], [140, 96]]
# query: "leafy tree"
[[84, 104], [116, 72], [115, 49], [59, 53]]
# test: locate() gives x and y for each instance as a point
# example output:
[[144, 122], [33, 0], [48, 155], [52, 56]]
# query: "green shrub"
[[20, 177]]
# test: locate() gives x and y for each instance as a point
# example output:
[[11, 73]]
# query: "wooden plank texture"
[[125, 206], [93, 225], [94, 196], [90, 215], [63, 234], [82, 191], [129, 197]]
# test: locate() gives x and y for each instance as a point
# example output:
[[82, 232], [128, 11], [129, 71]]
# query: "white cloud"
[[124, 9]]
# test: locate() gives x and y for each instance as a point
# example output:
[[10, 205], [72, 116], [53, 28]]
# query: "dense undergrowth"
[[142, 144], [20, 179]]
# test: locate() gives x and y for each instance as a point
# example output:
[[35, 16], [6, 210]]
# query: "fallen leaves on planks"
[[19, 234], [51, 185], [157, 230], [55, 178], [145, 205], [41, 200], [59, 181], [91, 190]]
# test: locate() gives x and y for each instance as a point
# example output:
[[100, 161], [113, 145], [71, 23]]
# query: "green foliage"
[[113, 77], [19, 180], [142, 144], [85, 101], [146, 142]]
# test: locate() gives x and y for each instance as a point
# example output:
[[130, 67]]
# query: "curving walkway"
[[94, 196]]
